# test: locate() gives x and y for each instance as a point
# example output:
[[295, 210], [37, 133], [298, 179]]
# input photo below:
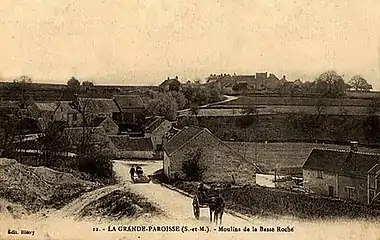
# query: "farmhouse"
[[343, 174], [218, 162], [107, 123], [90, 138], [156, 128], [171, 84], [255, 82], [131, 108], [48, 112], [127, 147], [96, 107]]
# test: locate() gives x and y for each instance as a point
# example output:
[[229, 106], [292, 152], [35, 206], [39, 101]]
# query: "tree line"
[[329, 84]]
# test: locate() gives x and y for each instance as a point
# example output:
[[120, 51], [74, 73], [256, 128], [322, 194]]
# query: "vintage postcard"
[[215, 119]]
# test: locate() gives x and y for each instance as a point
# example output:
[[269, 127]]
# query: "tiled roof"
[[153, 123], [375, 170], [98, 105], [54, 106], [182, 138], [346, 163], [68, 106], [9, 104], [125, 143], [170, 81], [129, 101], [92, 134], [46, 106], [97, 121], [188, 133]]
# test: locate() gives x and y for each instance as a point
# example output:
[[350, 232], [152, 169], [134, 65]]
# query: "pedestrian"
[[132, 172], [139, 171], [202, 191]]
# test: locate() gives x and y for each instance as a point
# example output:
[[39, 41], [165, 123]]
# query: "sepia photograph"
[[215, 119]]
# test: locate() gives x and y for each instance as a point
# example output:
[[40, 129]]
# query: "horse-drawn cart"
[[203, 201], [141, 179]]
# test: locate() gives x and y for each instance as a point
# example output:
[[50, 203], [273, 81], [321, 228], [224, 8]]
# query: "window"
[[351, 192], [74, 117], [319, 173]]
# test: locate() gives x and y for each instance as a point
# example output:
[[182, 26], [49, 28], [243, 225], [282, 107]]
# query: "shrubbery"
[[193, 168], [265, 201], [98, 165], [93, 167]]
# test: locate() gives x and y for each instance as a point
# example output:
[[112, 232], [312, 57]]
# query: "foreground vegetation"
[[119, 204], [256, 200]]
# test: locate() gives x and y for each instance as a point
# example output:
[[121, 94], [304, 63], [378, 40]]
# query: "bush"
[[274, 201], [192, 168], [99, 166]]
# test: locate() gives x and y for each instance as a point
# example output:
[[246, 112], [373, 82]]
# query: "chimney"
[[284, 77], [176, 77], [354, 146]]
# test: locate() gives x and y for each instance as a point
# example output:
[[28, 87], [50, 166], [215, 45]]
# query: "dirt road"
[[178, 209], [177, 206]]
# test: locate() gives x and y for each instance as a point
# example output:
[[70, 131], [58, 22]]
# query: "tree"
[[359, 83], [87, 84], [22, 85], [54, 143], [202, 96], [8, 125], [192, 167], [73, 83], [164, 104], [330, 84], [180, 99]]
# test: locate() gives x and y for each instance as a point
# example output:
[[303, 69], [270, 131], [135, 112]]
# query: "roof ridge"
[[347, 151], [156, 118], [244, 159], [373, 167], [186, 141], [97, 98]]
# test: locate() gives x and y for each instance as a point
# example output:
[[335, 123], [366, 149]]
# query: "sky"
[[145, 41]]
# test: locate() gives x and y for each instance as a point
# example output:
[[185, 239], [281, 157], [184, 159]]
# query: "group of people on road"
[[138, 170]]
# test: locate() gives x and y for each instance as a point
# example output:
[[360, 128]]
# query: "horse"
[[216, 206]]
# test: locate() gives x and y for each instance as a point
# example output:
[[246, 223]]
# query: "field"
[[285, 155], [290, 128], [298, 101]]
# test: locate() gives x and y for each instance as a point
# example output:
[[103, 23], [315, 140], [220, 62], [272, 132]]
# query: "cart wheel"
[[196, 208]]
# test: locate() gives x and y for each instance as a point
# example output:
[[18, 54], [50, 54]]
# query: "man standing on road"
[[132, 172]]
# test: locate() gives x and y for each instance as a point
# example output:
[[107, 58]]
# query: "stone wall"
[[320, 185], [220, 163]]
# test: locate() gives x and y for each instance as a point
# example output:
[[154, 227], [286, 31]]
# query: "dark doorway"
[[331, 191]]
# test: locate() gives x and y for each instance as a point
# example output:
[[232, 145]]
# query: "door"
[[331, 191]]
